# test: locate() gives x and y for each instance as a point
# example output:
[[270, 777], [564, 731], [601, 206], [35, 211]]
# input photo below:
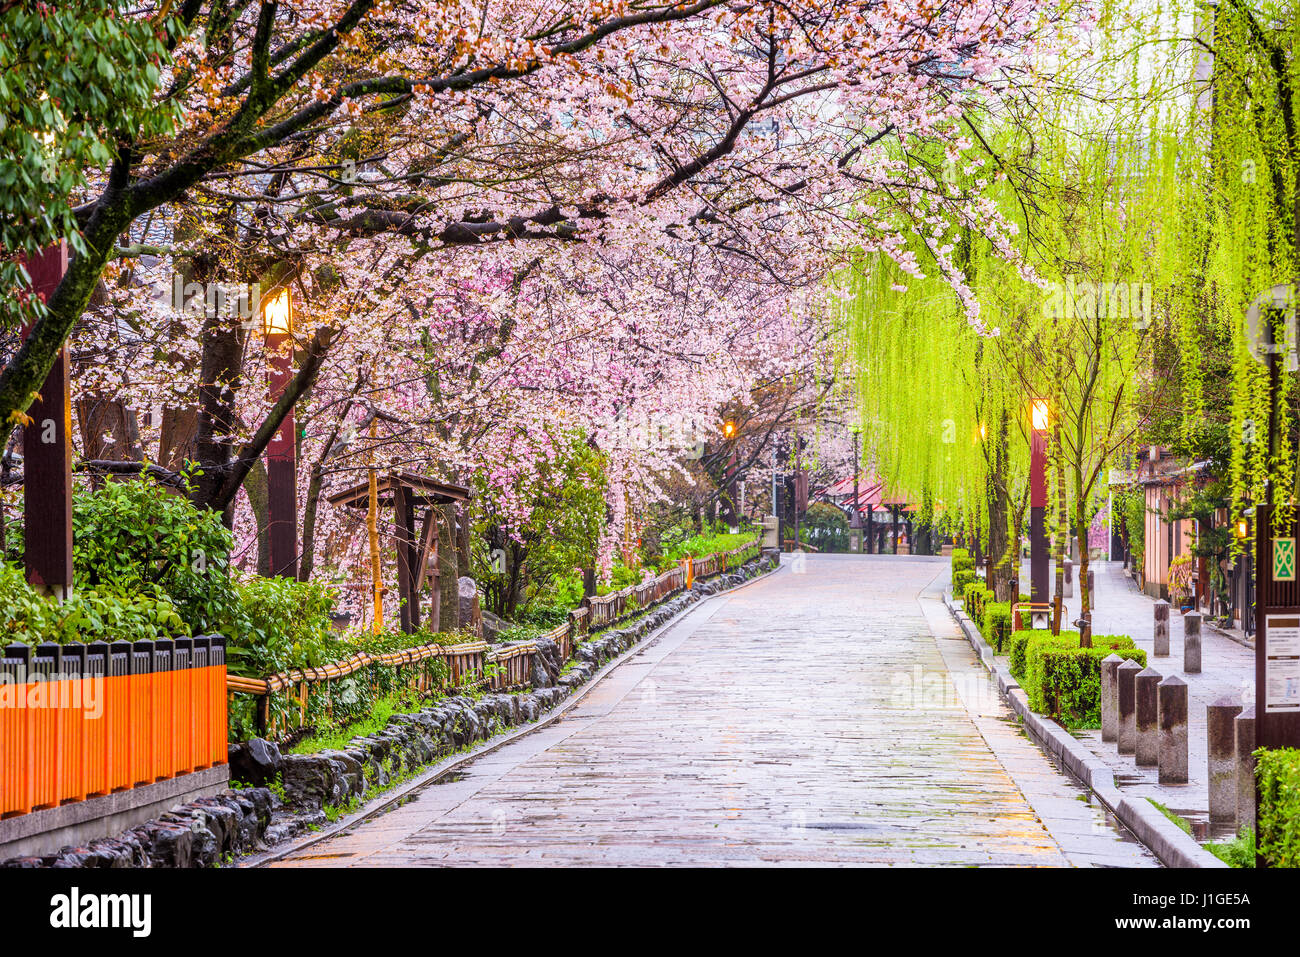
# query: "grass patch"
[[1238, 852], [336, 739], [1184, 825]]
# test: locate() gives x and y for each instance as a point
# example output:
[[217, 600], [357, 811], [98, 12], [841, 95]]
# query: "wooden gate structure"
[[417, 557]]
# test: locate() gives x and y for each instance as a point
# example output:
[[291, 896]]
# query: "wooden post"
[[282, 469], [407, 559], [372, 526], [47, 454]]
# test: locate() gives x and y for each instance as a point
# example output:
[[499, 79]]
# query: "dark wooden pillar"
[[408, 586], [47, 454], [282, 471]]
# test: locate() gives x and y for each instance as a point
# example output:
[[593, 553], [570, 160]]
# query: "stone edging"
[[383, 802], [1173, 846]]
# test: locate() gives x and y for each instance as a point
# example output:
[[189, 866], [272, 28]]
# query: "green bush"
[[962, 561], [1278, 827], [91, 614], [825, 527], [960, 580], [997, 623], [281, 624], [1063, 681], [136, 538]]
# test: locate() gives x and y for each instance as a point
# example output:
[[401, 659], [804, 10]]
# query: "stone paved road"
[[827, 714]]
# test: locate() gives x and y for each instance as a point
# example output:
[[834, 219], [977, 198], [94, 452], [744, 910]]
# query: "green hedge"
[[1063, 681], [962, 561], [997, 623], [960, 580], [1278, 827]]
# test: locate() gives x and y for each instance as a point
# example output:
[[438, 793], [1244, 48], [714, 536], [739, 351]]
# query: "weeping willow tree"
[[1088, 181], [1239, 232]]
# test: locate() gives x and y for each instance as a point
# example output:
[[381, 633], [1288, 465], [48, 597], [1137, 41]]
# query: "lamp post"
[[282, 450], [729, 483], [1039, 418]]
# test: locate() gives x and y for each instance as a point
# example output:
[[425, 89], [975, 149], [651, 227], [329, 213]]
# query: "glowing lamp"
[[1039, 413], [277, 314], [729, 429]]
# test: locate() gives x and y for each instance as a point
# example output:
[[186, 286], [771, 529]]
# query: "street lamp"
[[733, 516], [1040, 416], [282, 450]]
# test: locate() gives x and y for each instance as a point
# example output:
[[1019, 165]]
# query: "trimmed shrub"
[[1063, 681], [997, 623], [962, 561], [1278, 827], [959, 582]]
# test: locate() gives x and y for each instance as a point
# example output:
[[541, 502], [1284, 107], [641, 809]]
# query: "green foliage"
[[566, 515], [1278, 826], [92, 614], [825, 527], [962, 579], [961, 561], [281, 624], [674, 549], [996, 623], [1063, 681], [1131, 508], [72, 75], [1178, 819], [1238, 852], [135, 537]]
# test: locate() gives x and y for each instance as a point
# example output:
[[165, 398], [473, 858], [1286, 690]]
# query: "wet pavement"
[[828, 714], [1227, 671]]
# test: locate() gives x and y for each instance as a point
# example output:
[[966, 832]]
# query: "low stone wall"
[[244, 821]]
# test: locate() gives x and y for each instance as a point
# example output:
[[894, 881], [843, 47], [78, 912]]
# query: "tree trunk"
[[448, 582], [258, 494]]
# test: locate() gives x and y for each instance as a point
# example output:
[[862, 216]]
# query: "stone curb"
[[1173, 846], [430, 776]]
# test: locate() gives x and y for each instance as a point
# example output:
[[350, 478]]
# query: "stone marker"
[[1092, 587], [1192, 643], [1162, 629], [1172, 695], [1147, 752], [1109, 697], [1126, 695], [1069, 578], [1221, 751], [1245, 762]]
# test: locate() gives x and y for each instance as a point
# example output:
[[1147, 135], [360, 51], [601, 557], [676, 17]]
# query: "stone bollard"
[[1069, 578], [1092, 587], [1192, 643], [1109, 698], [1245, 762], [1172, 695], [1221, 739], [1162, 629], [1126, 691], [1147, 751]]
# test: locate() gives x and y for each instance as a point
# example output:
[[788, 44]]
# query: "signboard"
[[1282, 665], [1284, 559]]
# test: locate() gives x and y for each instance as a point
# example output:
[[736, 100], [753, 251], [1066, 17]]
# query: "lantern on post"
[[1040, 419], [282, 450]]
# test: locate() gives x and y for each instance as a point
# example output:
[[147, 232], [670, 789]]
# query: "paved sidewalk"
[[1227, 669], [828, 714]]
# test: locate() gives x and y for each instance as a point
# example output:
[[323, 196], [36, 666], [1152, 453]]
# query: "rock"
[[471, 616], [311, 781], [256, 762], [492, 625]]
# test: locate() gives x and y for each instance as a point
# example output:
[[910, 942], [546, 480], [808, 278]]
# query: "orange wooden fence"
[[78, 721]]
